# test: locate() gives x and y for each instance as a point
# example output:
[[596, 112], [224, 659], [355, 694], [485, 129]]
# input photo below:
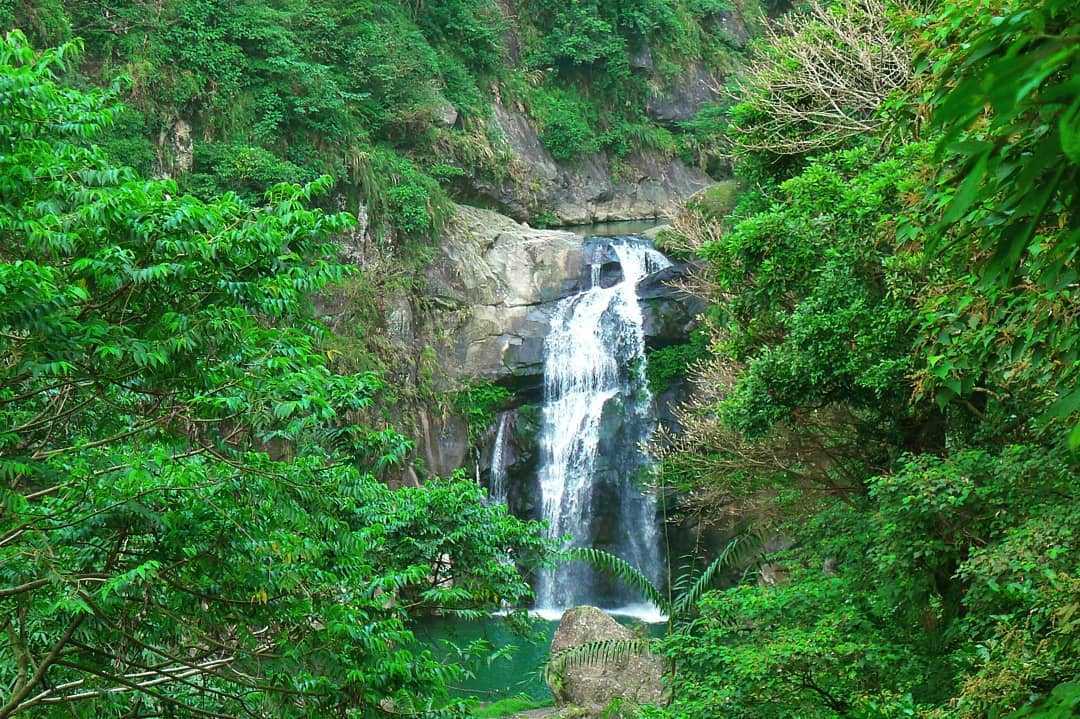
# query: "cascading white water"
[[497, 490], [595, 358]]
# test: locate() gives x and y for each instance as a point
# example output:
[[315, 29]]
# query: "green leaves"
[[895, 388], [623, 570], [1062, 703], [1006, 102], [591, 654], [182, 478], [739, 552], [817, 311], [688, 591], [478, 404]]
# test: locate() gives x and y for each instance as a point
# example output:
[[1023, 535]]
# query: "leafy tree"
[[192, 521], [1006, 100], [899, 360], [1013, 74]]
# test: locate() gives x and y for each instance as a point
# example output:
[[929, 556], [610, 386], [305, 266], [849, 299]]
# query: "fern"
[[623, 570], [591, 654], [738, 551], [688, 590]]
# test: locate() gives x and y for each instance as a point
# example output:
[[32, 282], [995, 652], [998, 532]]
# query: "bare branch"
[[822, 78]]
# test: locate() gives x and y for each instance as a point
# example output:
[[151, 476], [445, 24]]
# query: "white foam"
[[645, 613], [592, 333]]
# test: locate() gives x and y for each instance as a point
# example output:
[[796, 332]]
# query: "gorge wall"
[[540, 112]]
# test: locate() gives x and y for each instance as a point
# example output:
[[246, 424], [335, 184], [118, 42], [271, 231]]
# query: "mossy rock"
[[717, 200]]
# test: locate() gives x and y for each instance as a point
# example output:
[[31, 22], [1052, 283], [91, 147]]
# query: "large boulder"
[[633, 677], [491, 291]]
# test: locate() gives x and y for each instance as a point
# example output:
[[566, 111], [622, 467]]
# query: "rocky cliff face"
[[585, 191], [597, 188], [491, 291], [494, 286]]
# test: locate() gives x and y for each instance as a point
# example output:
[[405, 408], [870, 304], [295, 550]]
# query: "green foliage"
[[1064, 702], [625, 136], [590, 98], [667, 364], [248, 171], [815, 322], [398, 193], [679, 603], [717, 201], [1006, 102], [740, 552], [591, 654], [470, 27], [622, 570], [192, 520], [290, 91], [566, 122], [286, 92], [507, 707], [1012, 75], [586, 32], [897, 364], [804, 649], [703, 139], [478, 404]]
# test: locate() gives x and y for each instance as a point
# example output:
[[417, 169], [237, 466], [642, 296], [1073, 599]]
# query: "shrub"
[[667, 364], [478, 403], [566, 122]]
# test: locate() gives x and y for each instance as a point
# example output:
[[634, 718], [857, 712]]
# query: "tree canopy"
[[193, 522], [891, 389]]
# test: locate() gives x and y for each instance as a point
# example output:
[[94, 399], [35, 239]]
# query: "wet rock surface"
[[669, 312], [495, 285]]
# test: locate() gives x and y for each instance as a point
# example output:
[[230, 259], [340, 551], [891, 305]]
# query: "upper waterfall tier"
[[495, 288]]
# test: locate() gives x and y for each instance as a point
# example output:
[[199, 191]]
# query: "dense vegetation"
[[892, 386], [394, 100], [391, 98], [193, 518]]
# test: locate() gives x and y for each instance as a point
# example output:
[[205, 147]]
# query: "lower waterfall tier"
[[597, 414]]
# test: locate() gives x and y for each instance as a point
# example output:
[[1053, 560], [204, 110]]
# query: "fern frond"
[[737, 551], [592, 654], [623, 570]]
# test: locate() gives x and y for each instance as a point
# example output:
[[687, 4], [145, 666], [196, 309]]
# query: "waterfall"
[[497, 490], [594, 378]]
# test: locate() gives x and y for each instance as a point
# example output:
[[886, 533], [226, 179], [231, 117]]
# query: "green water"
[[516, 673], [613, 229]]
